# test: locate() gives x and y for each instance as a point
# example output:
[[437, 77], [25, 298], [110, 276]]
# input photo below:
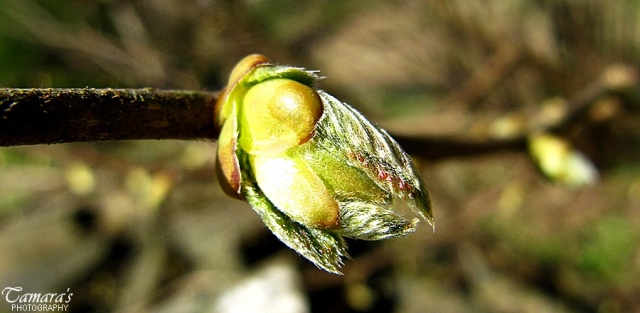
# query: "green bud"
[[311, 166], [296, 190], [278, 114], [224, 105]]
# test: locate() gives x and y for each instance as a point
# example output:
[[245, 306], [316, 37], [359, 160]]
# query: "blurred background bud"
[[560, 162]]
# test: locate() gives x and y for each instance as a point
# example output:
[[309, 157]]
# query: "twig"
[[487, 76], [439, 148], [48, 116], [474, 136]]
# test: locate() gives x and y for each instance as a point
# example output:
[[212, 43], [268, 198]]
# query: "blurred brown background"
[[144, 227]]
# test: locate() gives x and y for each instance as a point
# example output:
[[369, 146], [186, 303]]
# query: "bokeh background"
[[144, 226]]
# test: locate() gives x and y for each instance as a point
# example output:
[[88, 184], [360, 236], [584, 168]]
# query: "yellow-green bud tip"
[[278, 114]]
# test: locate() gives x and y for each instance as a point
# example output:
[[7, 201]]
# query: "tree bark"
[[49, 116]]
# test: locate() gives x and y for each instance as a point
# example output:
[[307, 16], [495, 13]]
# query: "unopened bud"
[[311, 166]]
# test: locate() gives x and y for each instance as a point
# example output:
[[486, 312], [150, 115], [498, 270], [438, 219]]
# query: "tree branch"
[[48, 116], [464, 142]]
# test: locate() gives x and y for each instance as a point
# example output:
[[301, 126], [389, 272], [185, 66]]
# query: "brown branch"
[[464, 142], [440, 148], [487, 76], [48, 116]]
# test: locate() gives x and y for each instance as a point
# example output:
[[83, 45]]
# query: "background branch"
[[48, 116], [477, 134]]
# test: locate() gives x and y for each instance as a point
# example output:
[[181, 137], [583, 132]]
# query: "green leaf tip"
[[313, 168]]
